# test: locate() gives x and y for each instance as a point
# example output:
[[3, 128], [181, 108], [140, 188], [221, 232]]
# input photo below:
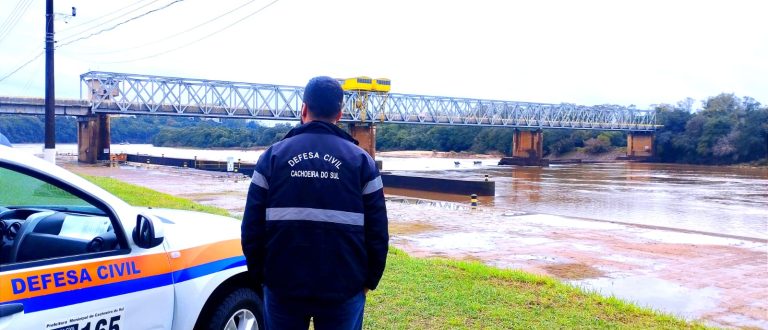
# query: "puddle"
[[747, 321], [399, 228], [530, 240], [585, 247], [630, 260], [656, 293], [513, 213], [426, 202], [534, 257], [466, 242], [559, 221], [686, 238]]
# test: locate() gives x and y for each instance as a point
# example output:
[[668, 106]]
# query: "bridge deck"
[[36, 106], [133, 94]]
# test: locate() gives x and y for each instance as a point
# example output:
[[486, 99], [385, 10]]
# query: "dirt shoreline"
[[719, 280], [436, 154]]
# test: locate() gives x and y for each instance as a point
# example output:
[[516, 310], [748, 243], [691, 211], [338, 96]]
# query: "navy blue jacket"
[[315, 222]]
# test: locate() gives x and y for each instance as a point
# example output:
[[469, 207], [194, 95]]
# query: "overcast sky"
[[584, 52]]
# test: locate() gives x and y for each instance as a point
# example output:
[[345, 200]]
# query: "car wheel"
[[240, 310]]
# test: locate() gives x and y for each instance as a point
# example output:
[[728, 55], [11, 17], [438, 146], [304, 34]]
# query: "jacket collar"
[[320, 127]]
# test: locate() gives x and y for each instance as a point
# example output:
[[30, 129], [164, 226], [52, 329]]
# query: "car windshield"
[[19, 189]]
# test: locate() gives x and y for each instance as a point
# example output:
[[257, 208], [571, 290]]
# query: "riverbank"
[[436, 154], [435, 293], [719, 280], [609, 156]]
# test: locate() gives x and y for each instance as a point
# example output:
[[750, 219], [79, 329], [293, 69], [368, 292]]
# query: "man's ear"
[[304, 113], [338, 117]]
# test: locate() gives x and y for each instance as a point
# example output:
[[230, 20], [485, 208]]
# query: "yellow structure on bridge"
[[365, 132], [366, 84]]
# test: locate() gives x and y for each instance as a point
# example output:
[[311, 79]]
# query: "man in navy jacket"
[[314, 231]]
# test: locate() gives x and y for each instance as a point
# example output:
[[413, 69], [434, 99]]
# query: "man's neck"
[[310, 119]]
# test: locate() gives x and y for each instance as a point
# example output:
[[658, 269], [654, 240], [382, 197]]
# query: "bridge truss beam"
[[121, 93]]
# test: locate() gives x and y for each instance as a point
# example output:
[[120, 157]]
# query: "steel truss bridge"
[[134, 94]]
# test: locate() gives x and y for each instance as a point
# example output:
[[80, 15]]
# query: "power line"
[[198, 40], [107, 21], [21, 66], [86, 37], [18, 10], [13, 18], [32, 77], [78, 26], [176, 34], [121, 23]]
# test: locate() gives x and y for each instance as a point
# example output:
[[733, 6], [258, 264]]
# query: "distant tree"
[[686, 104], [31, 129], [558, 141], [671, 144], [596, 146], [614, 138]]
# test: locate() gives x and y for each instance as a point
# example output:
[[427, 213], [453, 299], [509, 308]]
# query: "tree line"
[[229, 134], [160, 131], [727, 129], [490, 139]]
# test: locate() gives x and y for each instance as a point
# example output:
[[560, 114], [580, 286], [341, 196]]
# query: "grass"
[[433, 293], [448, 294], [140, 196]]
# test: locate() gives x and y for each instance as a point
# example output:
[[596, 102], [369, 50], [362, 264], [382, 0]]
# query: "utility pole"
[[49, 153]]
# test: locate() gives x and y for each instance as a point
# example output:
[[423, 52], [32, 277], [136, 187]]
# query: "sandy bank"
[[435, 154]]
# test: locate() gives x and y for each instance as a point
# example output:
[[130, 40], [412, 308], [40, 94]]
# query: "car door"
[[67, 263]]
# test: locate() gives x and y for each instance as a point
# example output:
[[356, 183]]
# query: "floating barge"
[[524, 161], [439, 185]]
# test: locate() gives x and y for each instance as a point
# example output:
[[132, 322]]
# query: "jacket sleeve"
[[253, 227], [376, 228]]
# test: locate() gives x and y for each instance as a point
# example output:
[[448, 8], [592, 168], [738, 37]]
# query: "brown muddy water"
[[686, 240], [723, 200]]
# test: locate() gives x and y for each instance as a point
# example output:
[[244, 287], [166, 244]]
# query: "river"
[[722, 200]]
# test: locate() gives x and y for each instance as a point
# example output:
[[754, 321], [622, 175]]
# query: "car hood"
[[187, 229]]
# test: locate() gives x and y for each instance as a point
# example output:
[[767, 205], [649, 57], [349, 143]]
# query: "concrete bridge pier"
[[527, 149], [365, 134], [639, 144], [93, 138], [528, 144]]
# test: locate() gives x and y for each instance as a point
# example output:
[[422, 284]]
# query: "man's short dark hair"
[[324, 97]]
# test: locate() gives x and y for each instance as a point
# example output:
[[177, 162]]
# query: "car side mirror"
[[148, 232]]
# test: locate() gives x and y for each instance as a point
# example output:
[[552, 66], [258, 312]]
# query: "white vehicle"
[[74, 257]]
